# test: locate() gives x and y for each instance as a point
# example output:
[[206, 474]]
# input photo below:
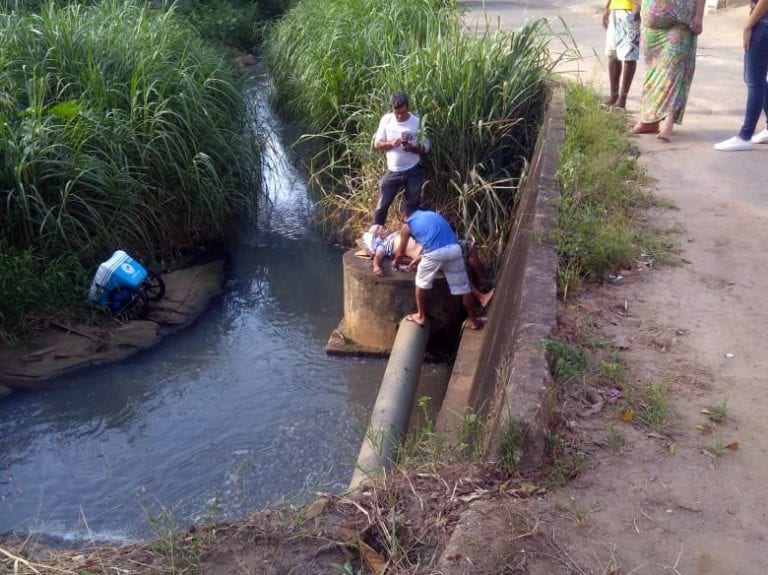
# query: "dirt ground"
[[678, 501]]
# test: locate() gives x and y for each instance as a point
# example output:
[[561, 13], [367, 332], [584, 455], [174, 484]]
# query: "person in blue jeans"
[[400, 136], [755, 71]]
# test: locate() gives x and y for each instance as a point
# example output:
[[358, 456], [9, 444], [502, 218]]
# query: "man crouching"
[[441, 252]]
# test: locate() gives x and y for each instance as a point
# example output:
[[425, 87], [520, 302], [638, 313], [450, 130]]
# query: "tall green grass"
[[479, 94], [235, 23], [119, 127], [600, 210]]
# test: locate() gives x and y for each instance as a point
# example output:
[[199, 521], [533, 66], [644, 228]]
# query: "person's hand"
[[606, 14], [747, 37], [414, 263], [396, 262], [377, 271], [696, 26]]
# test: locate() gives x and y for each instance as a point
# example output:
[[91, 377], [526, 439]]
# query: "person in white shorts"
[[442, 252], [621, 20], [382, 243]]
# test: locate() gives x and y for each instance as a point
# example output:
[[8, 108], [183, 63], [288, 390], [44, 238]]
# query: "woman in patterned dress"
[[670, 28]]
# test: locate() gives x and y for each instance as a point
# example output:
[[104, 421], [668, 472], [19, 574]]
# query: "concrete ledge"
[[458, 395]]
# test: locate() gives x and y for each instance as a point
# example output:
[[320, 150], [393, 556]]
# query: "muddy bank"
[[67, 348]]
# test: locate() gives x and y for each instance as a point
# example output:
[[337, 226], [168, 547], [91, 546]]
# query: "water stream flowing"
[[239, 411]]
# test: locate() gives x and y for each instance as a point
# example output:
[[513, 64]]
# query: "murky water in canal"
[[238, 411]]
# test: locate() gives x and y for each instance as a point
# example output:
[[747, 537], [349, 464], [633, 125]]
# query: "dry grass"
[[402, 522]]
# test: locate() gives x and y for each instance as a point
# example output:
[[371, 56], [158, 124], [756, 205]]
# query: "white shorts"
[[622, 39], [450, 261]]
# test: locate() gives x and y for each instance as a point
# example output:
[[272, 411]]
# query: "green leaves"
[[120, 128], [479, 94]]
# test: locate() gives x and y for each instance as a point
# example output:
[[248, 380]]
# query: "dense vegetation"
[[119, 127], [601, 208], [480, 97]]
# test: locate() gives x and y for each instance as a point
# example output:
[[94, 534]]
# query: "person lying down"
[[382, 243]]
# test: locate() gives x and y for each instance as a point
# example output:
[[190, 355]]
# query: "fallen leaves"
[[372, 559], [627, 415]]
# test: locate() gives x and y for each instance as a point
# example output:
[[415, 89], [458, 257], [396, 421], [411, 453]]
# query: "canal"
[[238, 412]]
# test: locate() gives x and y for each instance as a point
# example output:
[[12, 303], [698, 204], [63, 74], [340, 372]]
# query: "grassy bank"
[[602, 206], [479, 96], [120, 127]]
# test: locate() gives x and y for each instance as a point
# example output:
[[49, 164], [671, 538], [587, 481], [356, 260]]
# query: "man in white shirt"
[[400, 138]]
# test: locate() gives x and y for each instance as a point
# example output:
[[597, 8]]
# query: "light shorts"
[[622, 39], [450, 261]]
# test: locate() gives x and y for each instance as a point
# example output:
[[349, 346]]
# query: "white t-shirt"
[[398, 160]]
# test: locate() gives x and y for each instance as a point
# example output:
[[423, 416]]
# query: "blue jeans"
[[755, 70], [392, 182]]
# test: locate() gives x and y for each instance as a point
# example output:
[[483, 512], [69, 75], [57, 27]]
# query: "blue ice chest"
[[118, 276]]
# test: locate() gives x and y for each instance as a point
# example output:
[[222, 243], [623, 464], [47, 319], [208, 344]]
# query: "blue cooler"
[[119, 277]]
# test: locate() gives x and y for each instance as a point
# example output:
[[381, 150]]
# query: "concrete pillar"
[[374, 306]]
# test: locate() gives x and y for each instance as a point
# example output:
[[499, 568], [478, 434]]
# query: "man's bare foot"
[[485, 298], [378, 272], [476, 323], [418, 320], [611, 101]]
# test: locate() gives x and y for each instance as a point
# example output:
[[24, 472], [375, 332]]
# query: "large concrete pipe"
[[392, 410]]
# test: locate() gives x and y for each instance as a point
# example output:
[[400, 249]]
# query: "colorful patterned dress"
[[669, 51]]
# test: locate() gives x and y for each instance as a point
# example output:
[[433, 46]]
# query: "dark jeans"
[[391, 183], [755, 69]]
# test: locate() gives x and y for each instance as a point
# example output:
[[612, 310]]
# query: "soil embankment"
[[66, 348]]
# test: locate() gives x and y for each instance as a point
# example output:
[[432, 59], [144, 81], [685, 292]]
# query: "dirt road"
[[685, 503]]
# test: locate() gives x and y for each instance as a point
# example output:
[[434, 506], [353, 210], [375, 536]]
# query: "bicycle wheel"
[[154, 286], [128, 303]]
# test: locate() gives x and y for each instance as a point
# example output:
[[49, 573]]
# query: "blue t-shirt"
[[431, 230]]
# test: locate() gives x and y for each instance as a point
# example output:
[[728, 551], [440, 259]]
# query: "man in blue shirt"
[[442, 252]]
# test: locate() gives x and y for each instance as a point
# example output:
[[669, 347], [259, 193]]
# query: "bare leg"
[[479, 273], [667, 125], [483, 298], [469, 305], [627, 74], [614, 73], [421, 300]]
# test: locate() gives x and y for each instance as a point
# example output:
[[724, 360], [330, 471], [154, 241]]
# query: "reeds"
[[119, 128], [479, 95]]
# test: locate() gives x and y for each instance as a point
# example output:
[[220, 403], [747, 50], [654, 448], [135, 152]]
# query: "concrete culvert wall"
[[502, 372]]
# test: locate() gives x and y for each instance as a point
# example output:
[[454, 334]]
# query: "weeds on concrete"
[[510, 446], [427, 447]]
